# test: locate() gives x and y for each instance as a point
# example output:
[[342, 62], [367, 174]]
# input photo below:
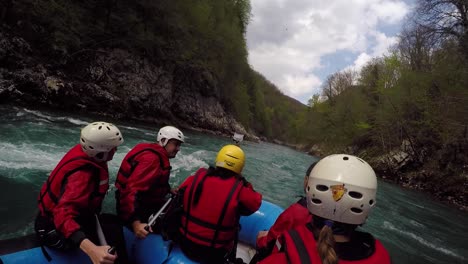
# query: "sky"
[[296, 44]]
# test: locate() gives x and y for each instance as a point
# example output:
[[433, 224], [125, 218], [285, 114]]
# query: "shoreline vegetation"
[[168, 62]]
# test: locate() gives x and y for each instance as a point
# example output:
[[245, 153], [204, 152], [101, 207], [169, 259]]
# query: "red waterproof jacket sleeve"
[[249, 200], [74, 199], [293, 216], [142, 179]]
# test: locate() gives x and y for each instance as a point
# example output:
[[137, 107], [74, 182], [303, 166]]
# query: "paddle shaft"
[[101, 237], [155, 217]]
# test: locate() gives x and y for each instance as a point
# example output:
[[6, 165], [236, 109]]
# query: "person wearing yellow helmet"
[[214, 199]]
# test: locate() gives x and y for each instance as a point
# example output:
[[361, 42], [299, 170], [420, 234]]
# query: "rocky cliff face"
[[112, 82]]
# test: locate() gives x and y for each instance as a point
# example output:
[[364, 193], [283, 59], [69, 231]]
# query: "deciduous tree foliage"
[[416, 97]]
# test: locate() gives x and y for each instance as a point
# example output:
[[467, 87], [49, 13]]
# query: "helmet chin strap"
[[101, 156]]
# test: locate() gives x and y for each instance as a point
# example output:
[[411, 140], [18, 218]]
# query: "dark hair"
[[311, 167]]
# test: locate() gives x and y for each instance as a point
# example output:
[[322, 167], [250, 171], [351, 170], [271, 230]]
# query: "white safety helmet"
[[342, 188], [100, 137], [169, 132]]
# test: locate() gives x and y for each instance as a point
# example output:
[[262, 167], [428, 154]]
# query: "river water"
[[411, 225]]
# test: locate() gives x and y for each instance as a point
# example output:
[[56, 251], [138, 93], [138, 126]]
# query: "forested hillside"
[[200, 45], [185, 63], [406, 112]]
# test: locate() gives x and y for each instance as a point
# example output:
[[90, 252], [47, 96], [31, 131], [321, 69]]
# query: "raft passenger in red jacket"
[[213, 201], [341, 192], [295, 215], [71, 198], [143, 179]]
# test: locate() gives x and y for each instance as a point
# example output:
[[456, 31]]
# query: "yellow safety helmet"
[[232, 158]]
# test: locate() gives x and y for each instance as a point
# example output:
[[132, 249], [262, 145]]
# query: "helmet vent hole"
[[356, 210], [361, 160], [355, 195], [82, 140], [99, 127], [371, 202], [91, 147], [345, 158], [108, 128], [117, 133], [316, 201], [322, 188], [308, 188]]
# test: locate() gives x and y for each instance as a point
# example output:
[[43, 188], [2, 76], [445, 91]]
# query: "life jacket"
[[74, 161], [208, 224], [295, 215], [158, 185], [300, 247]]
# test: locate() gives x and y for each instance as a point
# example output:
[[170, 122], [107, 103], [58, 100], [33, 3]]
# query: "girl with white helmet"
[[143, 179], [72, 196], [341, 192]]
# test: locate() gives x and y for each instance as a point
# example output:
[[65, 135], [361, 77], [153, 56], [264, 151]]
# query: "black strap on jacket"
[[223, 211], [218, 227], [50, 179], [300, 247], [133, 163], [187, 213]]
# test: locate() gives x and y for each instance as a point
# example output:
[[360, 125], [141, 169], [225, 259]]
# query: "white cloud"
[[361, 60], [288, 38], [383, 43]]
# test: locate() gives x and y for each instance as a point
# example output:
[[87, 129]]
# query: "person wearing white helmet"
[[341, 192], [143, 179], [71, 197]]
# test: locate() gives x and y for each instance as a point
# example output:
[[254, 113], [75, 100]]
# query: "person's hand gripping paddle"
[[101, 237]]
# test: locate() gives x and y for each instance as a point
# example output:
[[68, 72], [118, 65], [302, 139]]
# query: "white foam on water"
[[390, 226], [38, 114], [134, 128], [76, 121], [29, 156], [191, 161], [26, 230], [47, 118], [416, 224]]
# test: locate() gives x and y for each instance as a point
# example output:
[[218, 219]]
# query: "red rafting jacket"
[[214, 220], [75, 187], [142, 182], [298, 245], [294, 215]]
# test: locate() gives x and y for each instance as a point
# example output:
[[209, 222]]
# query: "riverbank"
[[425, 172]]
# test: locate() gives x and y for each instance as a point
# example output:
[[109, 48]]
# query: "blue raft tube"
[[154, 249]]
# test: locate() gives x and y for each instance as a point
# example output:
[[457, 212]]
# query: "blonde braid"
[[326, 246]]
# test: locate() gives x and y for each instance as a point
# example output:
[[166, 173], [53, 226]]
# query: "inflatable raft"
[[152, 250]]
